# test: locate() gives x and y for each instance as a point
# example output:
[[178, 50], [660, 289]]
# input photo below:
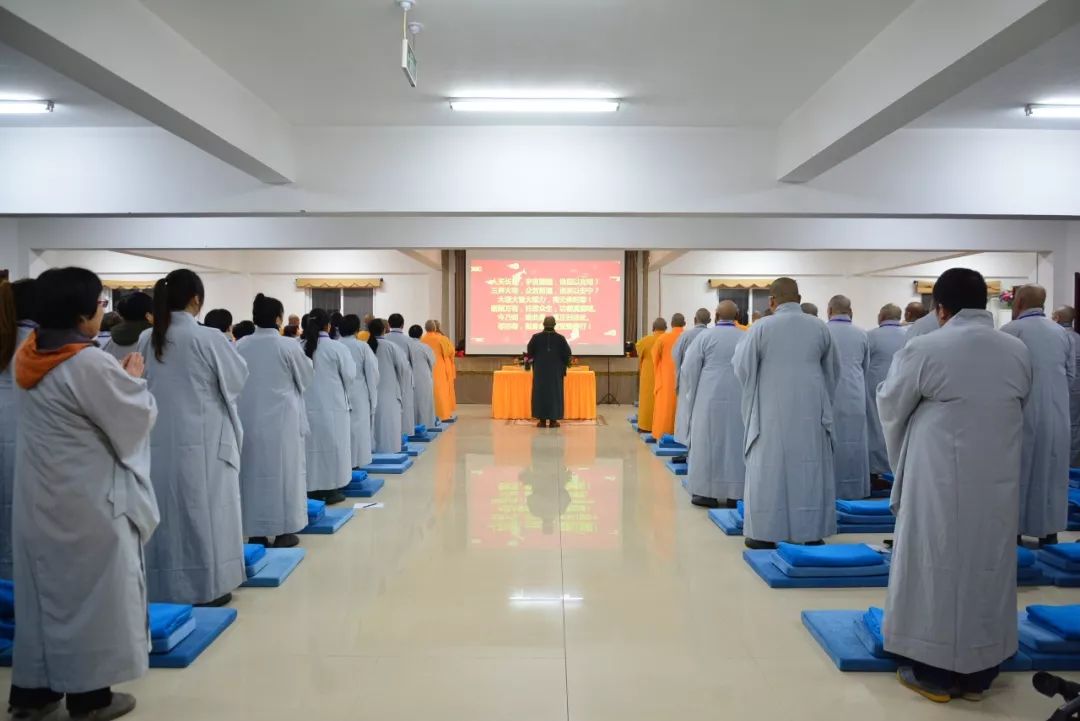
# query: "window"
[[749, 301], [358, 301]]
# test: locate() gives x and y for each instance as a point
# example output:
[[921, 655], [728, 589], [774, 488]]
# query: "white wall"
[[232, 278], [870, 280], [541, 169]]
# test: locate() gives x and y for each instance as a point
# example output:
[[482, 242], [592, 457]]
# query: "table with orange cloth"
[[511, 394]]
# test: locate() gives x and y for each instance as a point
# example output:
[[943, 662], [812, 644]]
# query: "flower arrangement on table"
[[525, 361], [574, 360], [1006, 298]]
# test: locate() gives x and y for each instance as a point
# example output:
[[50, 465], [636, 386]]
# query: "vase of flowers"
[[1005, 300]]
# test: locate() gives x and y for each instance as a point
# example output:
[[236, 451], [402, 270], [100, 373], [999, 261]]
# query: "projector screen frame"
[[547, 255]]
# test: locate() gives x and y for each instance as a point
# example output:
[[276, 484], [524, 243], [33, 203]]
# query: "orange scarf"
[[32, 365]]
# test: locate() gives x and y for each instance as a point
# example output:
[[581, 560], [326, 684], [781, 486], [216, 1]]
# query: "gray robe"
[[423, 364], [363, 400], [712, 396], [789, 368], [408, 392], [952, 410], [927, 324], [678, 353], [394, 376], [884, 340], [329, 447], [83, 508], [8, 427], [851, 458], [1074, 397], [1044, 470], [273, 491], [197, 554]]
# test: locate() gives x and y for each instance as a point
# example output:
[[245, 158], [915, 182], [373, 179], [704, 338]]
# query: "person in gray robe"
[[394, 375], [16, 308], [952, 411], [137, 314], [84, 506], [682, 414], [851, 456], [1065, 316], [273, 488], [884, 341], [329, 447], [196, 376], [408, 393], [423, 377], [920, 324], [712, 396], [1044, 470], [789, 367], [363, 392]]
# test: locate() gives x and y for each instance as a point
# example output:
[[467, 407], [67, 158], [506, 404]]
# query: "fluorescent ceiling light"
[[25, 107], [534, 105], [1040, 110]]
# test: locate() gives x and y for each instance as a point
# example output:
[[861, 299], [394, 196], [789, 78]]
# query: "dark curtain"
[[460, 278], [631, 298]]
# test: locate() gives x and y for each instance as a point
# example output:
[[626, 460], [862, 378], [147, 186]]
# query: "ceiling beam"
[[932, 51], [124, 52]]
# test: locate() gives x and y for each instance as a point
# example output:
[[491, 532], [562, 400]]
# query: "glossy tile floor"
[[539, 575]]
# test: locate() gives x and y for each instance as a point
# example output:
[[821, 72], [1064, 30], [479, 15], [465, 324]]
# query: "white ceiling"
[[23, 78], [1050, 73], [677, 62]]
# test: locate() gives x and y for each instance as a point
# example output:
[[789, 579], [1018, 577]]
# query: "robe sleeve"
[[747, 355], [640, 347], [232, 372], [530, 350], [371, 376], [300, 367], [1070, 360], [124, 410], [567, 354], [830, 365], [689, 376], [346, 370], [897, 398]]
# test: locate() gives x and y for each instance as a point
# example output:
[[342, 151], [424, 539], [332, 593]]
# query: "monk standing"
[[664, 362], [444, 359], [646, 375], [451, 367]]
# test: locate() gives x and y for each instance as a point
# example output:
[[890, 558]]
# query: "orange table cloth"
[[511, 394]]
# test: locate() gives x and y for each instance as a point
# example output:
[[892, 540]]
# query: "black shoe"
[[33, 714], [814, 543], [705, 502], [553, 424], [216, 603], [888, 543], [259, 541], [335, 497], [756, 545], [286, 540], [318, 495], [542, 424], [1050, 540], [679, 459], [731, 503]]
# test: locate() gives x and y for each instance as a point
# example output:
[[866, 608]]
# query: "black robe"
[[551, 356]]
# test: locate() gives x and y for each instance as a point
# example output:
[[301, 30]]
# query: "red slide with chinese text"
[[509, 298]]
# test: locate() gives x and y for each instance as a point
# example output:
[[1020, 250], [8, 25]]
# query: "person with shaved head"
[[789, 368], [1065, 316], [920, 321], [851, 457], [664, 391], [701, 324], [884, 341], [712, 397], [647, 375], [810, 309], [913, 311], [1044, 472]]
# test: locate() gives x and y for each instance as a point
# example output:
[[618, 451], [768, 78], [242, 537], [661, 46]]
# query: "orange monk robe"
[[451, 367], [664, 360], [646, 379], [440, 375]]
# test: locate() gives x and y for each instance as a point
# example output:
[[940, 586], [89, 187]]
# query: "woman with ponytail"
[[196, 375], [273, 493], [16, 309], [363, 391], [393, 374], [329, 447]]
